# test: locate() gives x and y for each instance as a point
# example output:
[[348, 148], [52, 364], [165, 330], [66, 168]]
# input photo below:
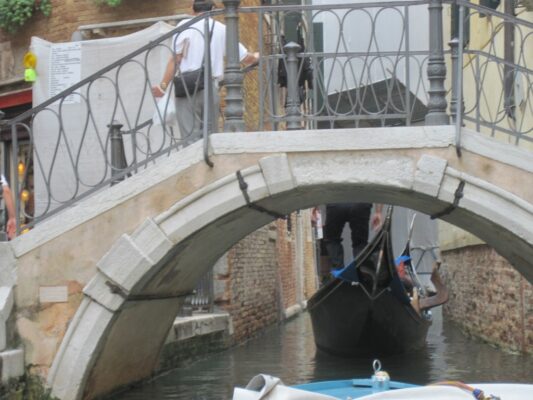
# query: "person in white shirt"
[[189, 56], [11, 225]]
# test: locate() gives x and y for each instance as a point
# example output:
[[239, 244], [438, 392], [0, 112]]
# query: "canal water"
[[288, 351]]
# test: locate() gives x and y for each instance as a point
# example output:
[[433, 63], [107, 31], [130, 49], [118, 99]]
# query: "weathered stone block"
[[151, 240], [6, 302], [125, 264], [12, 364], [277, 173], [101, 290]]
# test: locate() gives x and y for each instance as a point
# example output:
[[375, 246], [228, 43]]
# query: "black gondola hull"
[[347, 322]]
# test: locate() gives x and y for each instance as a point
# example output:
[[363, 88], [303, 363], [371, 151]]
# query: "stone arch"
[[140, 281]]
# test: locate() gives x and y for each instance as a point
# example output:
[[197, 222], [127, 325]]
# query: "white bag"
[[165, 113], [266, 387]]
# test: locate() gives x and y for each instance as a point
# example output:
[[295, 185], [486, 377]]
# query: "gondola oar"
[[440, 297]]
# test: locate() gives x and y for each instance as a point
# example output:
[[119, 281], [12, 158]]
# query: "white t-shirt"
[[194, 35], [3, 180]]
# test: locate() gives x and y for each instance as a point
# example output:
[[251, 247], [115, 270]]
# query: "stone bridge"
[[97, 287]]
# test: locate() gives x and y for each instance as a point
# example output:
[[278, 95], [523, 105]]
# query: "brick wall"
[[286, 258], [488, 298], [310, 261], [257, 281], [251, 294]]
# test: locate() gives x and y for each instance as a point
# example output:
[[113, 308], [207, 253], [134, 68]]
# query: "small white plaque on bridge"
[[53, 294]]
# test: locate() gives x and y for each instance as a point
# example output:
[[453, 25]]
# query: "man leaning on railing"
[[189, 57], [11, 224]]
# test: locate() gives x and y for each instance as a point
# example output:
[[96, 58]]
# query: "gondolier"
[[357, 216]]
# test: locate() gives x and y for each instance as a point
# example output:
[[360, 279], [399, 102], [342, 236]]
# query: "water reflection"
[[288, 351]]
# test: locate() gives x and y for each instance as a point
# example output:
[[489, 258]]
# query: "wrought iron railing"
[[346, 65], [495, 84], [79, 146]]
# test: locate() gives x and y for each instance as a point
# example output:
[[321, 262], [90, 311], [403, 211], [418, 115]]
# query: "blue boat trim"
[[353, 388]]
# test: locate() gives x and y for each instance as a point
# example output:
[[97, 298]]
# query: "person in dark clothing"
[[357, 215], [305, 69]]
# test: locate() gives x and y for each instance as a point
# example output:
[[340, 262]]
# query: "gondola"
[[367, 309]]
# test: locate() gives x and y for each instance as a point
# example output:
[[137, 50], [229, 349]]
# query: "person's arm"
[[250, 58], [377, 218], [11, 226], [170, 70]]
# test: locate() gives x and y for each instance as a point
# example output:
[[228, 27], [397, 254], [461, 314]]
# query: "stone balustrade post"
[[292, 105], [436, 69], [118, 156], [454, 47], [233, 76]]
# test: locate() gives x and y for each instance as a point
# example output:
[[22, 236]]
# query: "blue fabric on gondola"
[[401, 258], [396, 285], [348, 273]]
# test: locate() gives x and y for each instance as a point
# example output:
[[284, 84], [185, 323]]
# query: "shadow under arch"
[[129, 305]]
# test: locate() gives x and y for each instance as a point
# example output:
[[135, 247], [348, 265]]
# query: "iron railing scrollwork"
[[322, 66]]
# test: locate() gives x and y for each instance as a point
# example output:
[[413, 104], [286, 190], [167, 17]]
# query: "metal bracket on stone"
[[148, 297], [115, 289], [458, 195], [244, 189]]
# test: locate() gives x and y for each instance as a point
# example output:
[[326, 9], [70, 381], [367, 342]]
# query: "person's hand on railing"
[[11, 228], [158, 91], [251, 59]]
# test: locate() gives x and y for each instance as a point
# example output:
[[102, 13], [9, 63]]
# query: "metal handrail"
[[25, 115], [484, 111]]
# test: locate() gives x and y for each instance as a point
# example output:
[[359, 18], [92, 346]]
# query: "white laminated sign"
[[65, 69]]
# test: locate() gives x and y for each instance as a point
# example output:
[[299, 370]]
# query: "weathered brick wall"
[[310, 263], [258, 279], [488, 298], [252, 295], [286, 260]]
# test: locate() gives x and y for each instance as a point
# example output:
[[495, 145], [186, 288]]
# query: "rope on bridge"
[[244, 186], [457, 197]]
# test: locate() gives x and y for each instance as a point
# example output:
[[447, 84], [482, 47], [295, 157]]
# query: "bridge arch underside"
[[130, 304]]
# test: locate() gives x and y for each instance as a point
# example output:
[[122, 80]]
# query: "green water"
[[288, 351]]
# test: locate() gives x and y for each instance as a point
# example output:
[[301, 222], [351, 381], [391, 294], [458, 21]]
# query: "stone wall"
[[489, 298]]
